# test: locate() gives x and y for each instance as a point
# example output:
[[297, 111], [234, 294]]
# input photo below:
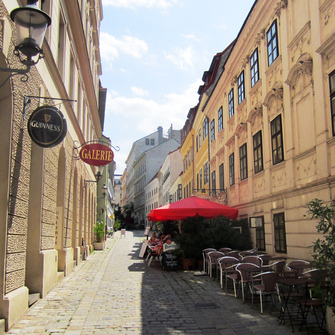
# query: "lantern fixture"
[[31, 24]]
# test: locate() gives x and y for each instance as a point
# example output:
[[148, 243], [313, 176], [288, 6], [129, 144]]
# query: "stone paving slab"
[[115, 292]]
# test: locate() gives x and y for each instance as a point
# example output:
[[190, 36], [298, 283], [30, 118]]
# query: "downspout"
[[193, 154], [209, 158]]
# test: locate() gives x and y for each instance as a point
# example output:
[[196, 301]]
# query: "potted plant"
[[99, 231], [323, 253], [192, 241]]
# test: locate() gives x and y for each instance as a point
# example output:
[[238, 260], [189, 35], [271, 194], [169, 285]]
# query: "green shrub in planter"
[[323, 249], [99, 230]]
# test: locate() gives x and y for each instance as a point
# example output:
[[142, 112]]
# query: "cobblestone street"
[[115, 292]]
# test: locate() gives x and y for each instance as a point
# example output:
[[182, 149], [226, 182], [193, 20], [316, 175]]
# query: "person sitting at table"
[[166, 238], [153, 239]]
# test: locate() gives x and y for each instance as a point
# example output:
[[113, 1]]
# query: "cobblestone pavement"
[[115, 292]]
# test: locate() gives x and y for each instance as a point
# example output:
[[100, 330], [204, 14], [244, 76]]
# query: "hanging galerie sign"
[[96, 154], [47, 126]]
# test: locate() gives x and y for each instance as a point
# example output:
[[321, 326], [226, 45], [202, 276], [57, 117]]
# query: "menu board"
[[170, 261], [143, 249]]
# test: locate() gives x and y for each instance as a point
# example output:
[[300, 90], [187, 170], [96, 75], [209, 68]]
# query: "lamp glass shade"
[[31, 24]]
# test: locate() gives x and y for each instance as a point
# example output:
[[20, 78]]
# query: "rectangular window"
[[213, 183], [198, 184], [221, 176], [231, 103], [200, 178], [152, 141], [243, 162], [179, 194], [205, 128], [206, 173], [147, 141], [258, 223], [197, 143], [258, 152], [199, 137], [220, 120], [332, 98], [254, 71], [280, 234], [212, 130], [272, 43], [231, 170], [240, 85], [277, 140]]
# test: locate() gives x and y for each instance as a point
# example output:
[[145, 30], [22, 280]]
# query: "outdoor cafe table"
[[291, 282], [299, 267]]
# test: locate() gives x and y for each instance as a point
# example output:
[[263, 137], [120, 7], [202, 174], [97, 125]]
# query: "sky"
[[154, 54]]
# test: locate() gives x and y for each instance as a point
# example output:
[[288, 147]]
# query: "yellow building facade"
[[48, 204], [273, 99], [187, 152]]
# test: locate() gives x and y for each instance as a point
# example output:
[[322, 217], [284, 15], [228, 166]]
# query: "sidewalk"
[[115, 292]]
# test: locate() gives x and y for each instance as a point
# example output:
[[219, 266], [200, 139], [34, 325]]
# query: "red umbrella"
[[192, 206]]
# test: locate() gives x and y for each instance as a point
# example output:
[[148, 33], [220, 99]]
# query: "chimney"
[[160, 135]]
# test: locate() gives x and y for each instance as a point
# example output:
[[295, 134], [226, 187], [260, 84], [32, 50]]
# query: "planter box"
[[330, 318], [189, 263], [99, 245]]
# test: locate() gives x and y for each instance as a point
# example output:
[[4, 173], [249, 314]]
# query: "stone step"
[[33, 297], [60, 276], [2, 326]]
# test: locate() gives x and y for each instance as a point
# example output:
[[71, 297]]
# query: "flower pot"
[[99, 245], [188, 263]]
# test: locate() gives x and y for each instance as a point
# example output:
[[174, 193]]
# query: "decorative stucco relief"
[[300, 75], [274, 74], [242, 112], [256, 93], [278, 178], [280, 6], [230, 144], [328, 11], [300, 43], [306, 169], [274, 100], [258, 184], [259, 37], [255, 117], [241, 132]]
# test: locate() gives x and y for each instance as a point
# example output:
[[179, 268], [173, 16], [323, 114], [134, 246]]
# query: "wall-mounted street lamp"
[[31, 24], [98, 176], [104, 190]]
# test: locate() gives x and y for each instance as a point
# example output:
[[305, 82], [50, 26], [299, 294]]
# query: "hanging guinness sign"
[[47, 126]]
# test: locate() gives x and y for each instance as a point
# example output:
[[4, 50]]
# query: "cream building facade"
[[276, 147], [46, 207]]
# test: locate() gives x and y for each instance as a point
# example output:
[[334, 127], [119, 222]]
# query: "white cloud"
[[124, 71], [182, 58], [139, 91], [138, 117], [111, 47], [140, 3], [190, 37]]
